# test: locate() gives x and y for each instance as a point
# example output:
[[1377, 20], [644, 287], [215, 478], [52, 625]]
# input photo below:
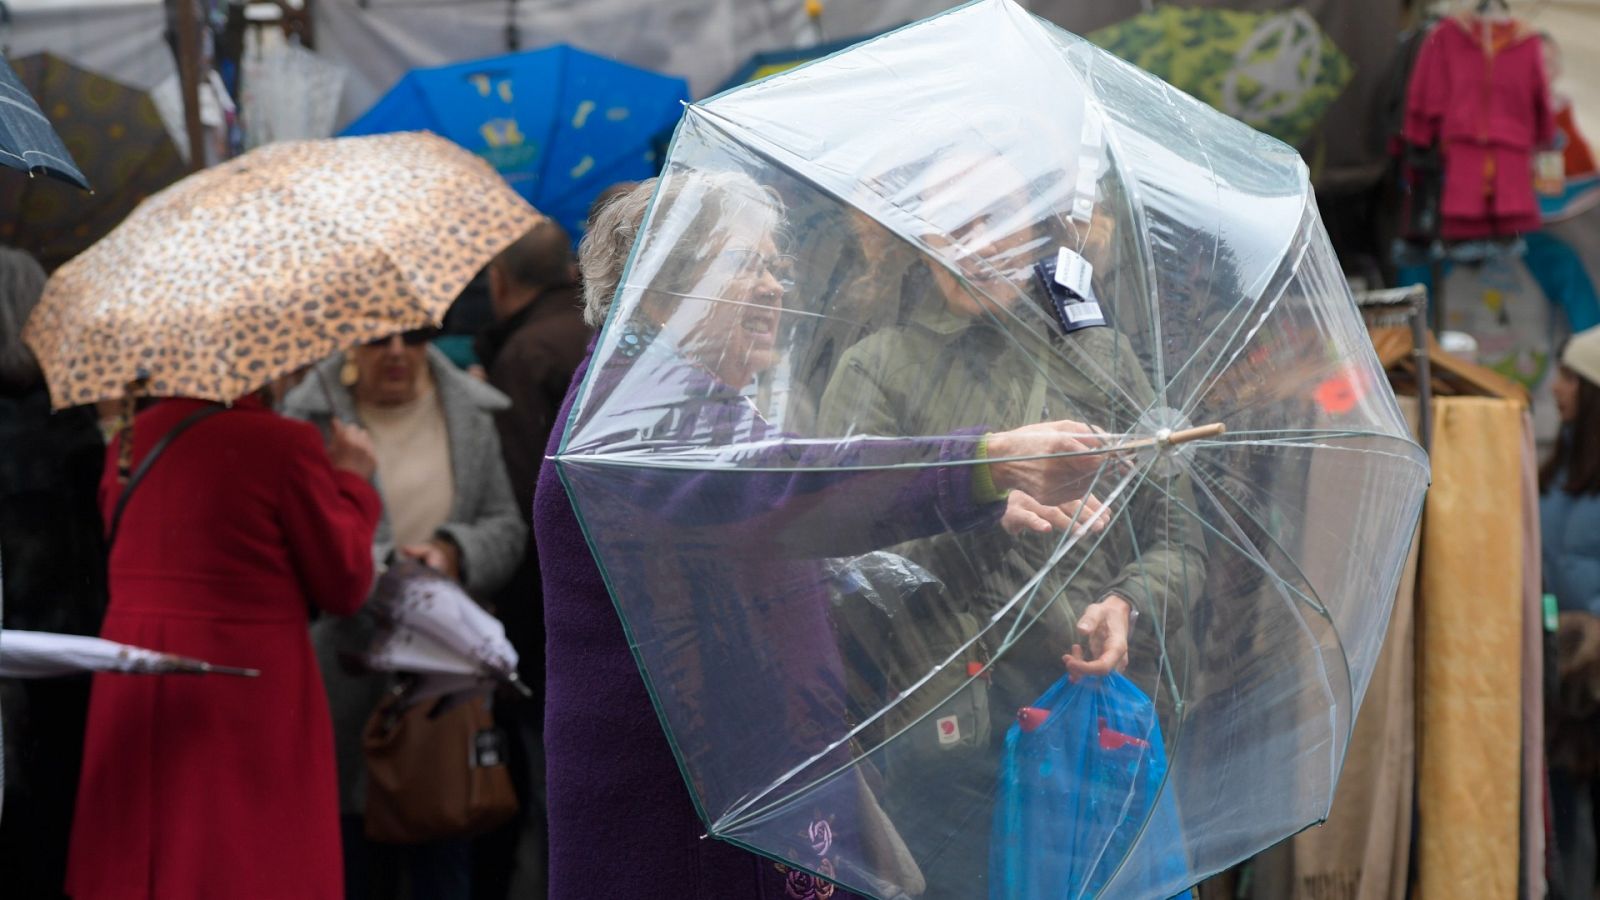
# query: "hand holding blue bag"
[[1080, 783]]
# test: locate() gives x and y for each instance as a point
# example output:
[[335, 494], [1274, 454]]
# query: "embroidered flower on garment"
[[798, 885], [821, 834]]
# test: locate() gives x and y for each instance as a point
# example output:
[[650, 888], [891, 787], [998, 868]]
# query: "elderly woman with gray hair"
[[675, 370]]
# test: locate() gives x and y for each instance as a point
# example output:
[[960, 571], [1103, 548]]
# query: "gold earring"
[[349, 374]]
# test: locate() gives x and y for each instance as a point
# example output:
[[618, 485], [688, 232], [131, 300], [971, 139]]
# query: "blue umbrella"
[[1080, 783], [27, 141], [560, 124]]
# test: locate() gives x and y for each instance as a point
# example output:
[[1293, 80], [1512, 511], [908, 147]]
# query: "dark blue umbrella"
[[560, 124], [27, 141]]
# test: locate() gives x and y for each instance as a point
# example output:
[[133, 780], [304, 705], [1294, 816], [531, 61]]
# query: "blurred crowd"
[[431, 446]]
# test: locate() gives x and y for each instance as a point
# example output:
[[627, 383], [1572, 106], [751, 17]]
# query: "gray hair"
[[21, 284], [605, 247], [696, 214]]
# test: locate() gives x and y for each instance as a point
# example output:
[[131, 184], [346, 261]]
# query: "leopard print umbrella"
[[269, 262]]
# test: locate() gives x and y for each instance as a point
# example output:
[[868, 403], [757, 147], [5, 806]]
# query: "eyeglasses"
[[781, 266], [416, 337]]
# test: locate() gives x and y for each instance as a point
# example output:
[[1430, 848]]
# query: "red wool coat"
[[215, 786]]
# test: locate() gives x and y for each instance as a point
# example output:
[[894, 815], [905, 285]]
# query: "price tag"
[[1080, 314], [1068, 282], [1074, 273]]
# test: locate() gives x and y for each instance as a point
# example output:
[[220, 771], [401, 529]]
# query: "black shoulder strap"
[[204, 412]]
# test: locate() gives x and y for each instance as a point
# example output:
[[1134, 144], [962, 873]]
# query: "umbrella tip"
[[520, 686]]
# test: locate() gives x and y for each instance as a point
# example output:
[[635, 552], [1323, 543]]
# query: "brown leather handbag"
[[434, 770]]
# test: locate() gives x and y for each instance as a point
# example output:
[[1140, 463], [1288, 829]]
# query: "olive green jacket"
[[940, 372]]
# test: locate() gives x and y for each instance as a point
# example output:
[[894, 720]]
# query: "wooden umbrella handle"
[[1183, 436], [1199, 432]]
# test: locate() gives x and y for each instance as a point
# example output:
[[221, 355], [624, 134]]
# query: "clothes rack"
[[1406, 306]]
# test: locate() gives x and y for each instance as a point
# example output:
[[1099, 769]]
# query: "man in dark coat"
[[537, 339]]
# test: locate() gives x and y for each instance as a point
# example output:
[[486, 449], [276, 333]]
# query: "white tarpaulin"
[[703, 41], [118, 38]]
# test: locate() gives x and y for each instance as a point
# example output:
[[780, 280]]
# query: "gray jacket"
[[484, 523]]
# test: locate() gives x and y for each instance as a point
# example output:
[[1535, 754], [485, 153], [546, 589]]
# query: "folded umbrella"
[[431, 628], [27, 141], [42, 654], [269, 262]]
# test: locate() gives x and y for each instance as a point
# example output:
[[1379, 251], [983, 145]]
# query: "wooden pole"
[[189, 74]]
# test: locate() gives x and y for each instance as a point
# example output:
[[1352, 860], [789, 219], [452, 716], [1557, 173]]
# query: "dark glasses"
[[416, 337]]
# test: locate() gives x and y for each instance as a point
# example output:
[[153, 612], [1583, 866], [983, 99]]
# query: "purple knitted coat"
[[621, 820]]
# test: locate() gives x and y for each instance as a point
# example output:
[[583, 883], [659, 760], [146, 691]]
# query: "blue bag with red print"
[[1081, 810]]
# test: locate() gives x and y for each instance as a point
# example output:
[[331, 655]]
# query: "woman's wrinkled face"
[[390, 370], [1565, 387], [734, 331]]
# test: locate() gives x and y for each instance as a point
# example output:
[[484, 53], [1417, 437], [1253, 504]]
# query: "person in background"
[[447, 503], [1569, 522], [52, 578], [529, 352], [535, 343], [193, 787]]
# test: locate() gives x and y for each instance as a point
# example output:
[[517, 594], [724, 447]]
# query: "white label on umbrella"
[[1083, 313], [1074, 273], [949, 730]]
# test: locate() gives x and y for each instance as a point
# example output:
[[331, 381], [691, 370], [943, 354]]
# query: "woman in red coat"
[[216, 786]]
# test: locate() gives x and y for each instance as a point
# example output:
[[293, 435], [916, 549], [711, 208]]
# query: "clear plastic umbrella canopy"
[[886, 404]]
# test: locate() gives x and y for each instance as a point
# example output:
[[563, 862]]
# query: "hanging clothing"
[[1580, 190], [1469, 752], [1480, 92], [1533, 771], [1363, 850], [1563, 276], [289, 92]]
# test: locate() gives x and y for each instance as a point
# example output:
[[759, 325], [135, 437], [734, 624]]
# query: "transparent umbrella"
[[933, 358]]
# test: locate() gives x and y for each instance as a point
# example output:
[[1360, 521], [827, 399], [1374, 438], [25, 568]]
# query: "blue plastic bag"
[[1080, 782]]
